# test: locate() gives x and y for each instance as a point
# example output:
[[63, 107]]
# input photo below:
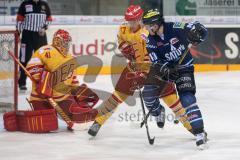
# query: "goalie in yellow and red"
[[53, 78]]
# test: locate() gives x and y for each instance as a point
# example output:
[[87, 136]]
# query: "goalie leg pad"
[[10, 121], [41, 121]]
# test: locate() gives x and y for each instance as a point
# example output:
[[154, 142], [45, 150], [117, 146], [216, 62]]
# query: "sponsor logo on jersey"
[[174, 40], [48, 55], [34, 60], [179, 25], [144, 37], [41, 51], [29, 8], [151, 46], [175, 53]]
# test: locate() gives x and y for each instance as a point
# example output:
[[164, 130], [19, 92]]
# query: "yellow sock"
[[174, 103], [107, 108]]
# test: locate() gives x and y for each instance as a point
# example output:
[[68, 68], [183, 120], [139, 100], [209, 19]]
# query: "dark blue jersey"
[[171, 45]]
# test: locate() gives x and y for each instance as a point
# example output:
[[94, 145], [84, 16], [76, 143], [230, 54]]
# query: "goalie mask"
[[62, 41]]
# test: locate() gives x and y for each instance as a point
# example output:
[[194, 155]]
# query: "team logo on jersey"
[[151, 46], [173, 40], [48, 55], [144, 37], [179, 25], [29, 8], [166, 44]]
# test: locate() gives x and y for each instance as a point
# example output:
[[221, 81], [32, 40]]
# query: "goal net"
[[8, 71]]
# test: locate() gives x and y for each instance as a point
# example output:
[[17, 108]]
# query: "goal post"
[[8, 71]]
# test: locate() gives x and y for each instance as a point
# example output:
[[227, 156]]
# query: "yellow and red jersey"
[[136, 39], [49, 58]]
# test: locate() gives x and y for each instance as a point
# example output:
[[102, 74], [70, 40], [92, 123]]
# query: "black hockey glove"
[[197, 34], [166, 72]]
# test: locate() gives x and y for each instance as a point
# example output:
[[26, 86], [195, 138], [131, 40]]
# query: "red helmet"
[[62, 41], [134, 12]]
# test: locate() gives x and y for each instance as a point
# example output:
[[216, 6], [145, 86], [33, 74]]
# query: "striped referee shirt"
[[33, 16]]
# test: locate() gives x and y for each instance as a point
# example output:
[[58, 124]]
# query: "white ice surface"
[[218, 97]]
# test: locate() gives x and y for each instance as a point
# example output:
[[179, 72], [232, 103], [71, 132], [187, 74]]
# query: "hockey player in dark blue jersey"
[[168, 48]]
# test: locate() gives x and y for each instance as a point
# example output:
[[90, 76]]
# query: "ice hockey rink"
[[121, 138]]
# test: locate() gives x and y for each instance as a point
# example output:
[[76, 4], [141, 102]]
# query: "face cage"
[[62, 45]]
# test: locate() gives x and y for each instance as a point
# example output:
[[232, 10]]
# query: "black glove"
[[197, 34], [166, 72]]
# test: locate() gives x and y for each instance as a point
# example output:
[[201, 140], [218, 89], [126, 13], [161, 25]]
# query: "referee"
[[33, 18]]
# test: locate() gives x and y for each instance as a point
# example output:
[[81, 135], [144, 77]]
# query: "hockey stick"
[[184, 54], [50, 100], [150, 140], [146, 118]]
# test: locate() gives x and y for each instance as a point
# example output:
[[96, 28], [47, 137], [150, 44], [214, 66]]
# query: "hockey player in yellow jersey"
[[76, 101], [131, 40]]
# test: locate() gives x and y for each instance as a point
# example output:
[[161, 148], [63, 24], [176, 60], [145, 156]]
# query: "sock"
[[107, 108], [175, 105]]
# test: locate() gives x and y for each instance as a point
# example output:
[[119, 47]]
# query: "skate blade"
[[91, 138], [203, 147]]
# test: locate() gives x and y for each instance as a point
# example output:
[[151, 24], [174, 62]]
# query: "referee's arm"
[[20, 18], [49, 17]]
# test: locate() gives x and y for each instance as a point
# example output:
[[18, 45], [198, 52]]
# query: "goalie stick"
[[50, 100]]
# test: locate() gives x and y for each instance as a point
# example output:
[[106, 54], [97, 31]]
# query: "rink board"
[[219, 53]]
